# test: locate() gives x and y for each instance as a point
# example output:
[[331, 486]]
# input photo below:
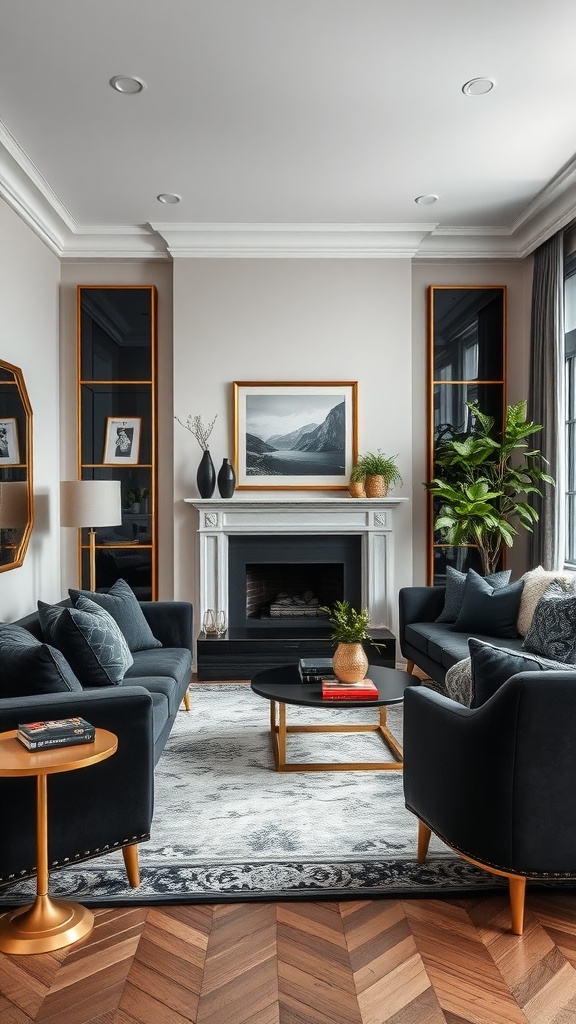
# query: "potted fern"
[[380, 473], [350, 630]]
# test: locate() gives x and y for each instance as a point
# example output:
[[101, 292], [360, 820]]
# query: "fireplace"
[[251, 550], [283, 581]]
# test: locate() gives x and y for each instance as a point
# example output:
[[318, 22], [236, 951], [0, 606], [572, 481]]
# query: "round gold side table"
[[47, 924]]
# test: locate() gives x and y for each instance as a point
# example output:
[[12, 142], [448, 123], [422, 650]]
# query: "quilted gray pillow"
[[455, 583], [458, 682], [552, 631], [90, 640], [123, 605]]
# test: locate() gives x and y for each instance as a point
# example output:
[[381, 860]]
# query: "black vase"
[[206, 476], [226, 479]]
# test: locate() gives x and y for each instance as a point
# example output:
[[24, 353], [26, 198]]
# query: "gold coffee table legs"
[[279, 730], [46, 924]]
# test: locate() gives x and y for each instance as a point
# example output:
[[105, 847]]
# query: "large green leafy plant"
[[482, 493]]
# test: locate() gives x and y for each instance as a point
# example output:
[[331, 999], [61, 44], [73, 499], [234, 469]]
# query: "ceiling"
[[289, 127]]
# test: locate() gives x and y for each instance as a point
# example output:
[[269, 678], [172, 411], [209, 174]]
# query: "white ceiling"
[[289, 127]]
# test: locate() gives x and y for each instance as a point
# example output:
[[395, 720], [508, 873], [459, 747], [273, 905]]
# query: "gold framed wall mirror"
[[466, 363], [16, 495]]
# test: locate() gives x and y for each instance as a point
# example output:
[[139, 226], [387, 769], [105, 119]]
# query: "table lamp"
[[90, 503]]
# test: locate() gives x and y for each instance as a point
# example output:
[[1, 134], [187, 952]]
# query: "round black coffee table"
[[282, 686]]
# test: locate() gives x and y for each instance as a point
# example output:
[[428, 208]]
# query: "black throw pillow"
[[455, 583], [29, 667], [488, 610], [123, 605], [552, 631], [492, 666]]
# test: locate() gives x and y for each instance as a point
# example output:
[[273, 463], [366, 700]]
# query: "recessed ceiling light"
[[478, 86], [426, 200], [169, 197], [127, 84]]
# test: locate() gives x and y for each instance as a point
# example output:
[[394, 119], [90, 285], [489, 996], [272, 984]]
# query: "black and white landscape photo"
[[298, 436]]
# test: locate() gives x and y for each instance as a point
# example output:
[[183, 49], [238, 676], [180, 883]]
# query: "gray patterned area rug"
[[228, 827]]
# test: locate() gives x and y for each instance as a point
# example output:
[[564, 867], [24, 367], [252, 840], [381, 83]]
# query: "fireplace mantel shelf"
[[236, 503]]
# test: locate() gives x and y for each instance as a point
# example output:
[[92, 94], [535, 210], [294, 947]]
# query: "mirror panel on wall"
[[16, 495], [117, 428], [466, 363]]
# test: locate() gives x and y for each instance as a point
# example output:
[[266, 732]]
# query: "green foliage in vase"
[[378, 464], [358, 475], [348, 625], [481, 493], [135, 496]]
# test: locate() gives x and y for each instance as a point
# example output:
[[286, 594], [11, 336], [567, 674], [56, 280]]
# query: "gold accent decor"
[[376, 487], [356, 489], [279, 730], [350, 663], [47, 924]]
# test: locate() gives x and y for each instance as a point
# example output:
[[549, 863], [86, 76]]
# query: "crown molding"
[[26, 191]]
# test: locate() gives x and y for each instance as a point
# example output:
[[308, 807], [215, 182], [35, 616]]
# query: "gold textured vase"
[[350, 663], [376, 487], [356, 489]]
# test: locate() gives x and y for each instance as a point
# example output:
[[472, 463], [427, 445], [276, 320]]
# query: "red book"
[[364, 690]]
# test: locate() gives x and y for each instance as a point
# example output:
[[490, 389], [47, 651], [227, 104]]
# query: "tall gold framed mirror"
[[16, 495], [466, 363]]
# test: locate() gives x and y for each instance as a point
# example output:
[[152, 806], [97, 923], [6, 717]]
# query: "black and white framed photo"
[[122, 444], [295, 435], [9, 447]]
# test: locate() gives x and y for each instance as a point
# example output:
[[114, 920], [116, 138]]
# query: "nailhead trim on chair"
[[78, 857]]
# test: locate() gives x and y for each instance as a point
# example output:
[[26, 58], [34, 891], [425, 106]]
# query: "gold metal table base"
[[44, 926], [47, 924], [279, 730]]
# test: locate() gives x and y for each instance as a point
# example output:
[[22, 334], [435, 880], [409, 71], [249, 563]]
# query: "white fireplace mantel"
[[370, 518]]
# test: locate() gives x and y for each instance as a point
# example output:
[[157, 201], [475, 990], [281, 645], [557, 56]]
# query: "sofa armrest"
[[170, 621], [90, 811], [420, 604]]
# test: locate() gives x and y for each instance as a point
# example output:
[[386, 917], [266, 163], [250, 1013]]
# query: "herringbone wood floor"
[[365, 962]]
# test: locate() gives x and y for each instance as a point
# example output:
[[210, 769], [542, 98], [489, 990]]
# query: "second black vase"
[[206, 475], [226, 479]]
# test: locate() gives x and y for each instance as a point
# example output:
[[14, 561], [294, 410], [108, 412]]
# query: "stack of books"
[[365, 690], [313, 670], [59, 732]]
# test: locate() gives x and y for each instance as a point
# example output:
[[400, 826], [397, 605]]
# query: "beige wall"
[[224, 320], [274, 320], [29, 275]]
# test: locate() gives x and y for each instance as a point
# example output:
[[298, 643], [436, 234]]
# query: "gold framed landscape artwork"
[[295, 435]]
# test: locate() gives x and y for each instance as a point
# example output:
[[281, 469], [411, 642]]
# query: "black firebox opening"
[[282, 581]]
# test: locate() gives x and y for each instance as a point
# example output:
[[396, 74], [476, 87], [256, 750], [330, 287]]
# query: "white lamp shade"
[[13, 504], [90, 503]]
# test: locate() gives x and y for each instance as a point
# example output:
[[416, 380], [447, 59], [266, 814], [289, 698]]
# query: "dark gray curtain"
[[546, 397]]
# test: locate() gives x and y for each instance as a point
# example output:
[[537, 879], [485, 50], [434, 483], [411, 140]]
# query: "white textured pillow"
[[536, 581]]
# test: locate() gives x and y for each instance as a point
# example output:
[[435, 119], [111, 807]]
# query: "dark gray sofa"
[[434, 646], [109, 805]]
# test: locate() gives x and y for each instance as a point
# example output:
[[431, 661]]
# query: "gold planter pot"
[[376, 487], [350, 663]]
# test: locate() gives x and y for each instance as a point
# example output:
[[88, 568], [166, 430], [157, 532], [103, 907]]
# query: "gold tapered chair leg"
[[410, 667], [424, 834], [517, 891], [187, 700], [130, 854]]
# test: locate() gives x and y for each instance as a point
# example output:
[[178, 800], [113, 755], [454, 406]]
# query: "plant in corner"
[[135, 496], [380, 473], [481, 495], [350, 630]]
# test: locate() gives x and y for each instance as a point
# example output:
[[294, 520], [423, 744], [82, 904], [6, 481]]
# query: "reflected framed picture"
[[295, 435], [9, 447], [122, 444]]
